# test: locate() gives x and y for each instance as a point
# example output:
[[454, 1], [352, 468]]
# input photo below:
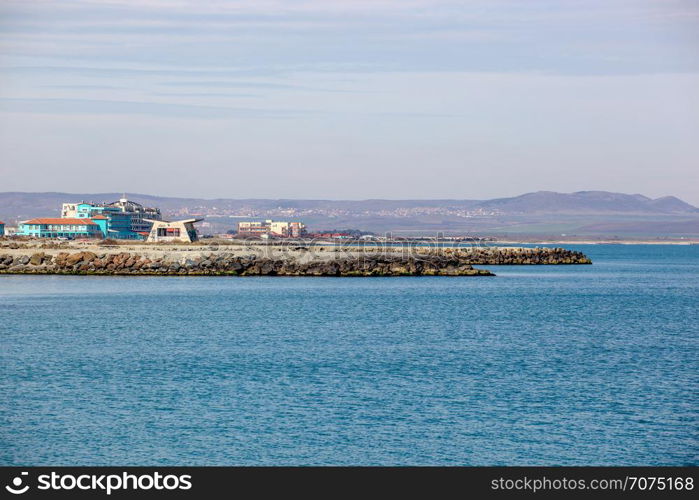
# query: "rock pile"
[[520, 256], [213, 264]]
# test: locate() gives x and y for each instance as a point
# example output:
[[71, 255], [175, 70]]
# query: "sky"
[[350, 99]]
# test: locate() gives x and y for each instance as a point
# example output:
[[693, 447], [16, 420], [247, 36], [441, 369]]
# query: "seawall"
[[226, 264], [504, 256], [263, 260]]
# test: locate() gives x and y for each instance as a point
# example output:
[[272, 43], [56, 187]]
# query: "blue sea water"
[[541, 365]]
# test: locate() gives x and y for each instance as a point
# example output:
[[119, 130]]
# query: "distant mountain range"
[[542, 212], [589, 202]]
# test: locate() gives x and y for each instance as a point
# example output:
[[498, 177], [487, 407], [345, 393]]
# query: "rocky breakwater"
[[502, 256], [229, 264]]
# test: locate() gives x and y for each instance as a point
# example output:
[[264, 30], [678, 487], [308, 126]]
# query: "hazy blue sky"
[[350, 98]]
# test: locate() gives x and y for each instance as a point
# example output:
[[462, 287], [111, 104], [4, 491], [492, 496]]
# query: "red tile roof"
[[1, 222], [82, 222], [100, 217]]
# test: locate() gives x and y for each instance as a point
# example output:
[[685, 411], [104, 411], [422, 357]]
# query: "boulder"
[[37, 259], [73, 259]]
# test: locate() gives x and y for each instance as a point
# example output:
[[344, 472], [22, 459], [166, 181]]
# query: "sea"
[[539, 365]]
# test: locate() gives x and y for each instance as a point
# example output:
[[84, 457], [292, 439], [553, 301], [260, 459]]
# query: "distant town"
[[539, 216], [127, 220], [251, 211]]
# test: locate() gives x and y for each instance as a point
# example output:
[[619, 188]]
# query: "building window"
[[172, 232]]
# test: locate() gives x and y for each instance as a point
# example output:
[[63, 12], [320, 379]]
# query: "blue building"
[[70, 228], [2, 228], [103, 223], [121, 219]]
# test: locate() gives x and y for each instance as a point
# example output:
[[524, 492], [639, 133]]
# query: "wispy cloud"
[[161, 109], [230, 84], [83, 87], [407, 34], [207, 95], [123, 71]]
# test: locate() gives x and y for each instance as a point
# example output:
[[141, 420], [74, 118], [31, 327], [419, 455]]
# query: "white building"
[[272, 228], [180, 230]]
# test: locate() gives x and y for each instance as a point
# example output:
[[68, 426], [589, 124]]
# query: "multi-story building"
[[125, 219], [2, 228], [64, 227], [286, 229], [271, 228], [252, 228], [140, 215]]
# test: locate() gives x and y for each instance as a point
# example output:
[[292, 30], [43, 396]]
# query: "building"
[[252, 228], [271, 228], [70, 228], [286, 229], [125, 219], [140, 215], [180, 230], [2, 228]]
